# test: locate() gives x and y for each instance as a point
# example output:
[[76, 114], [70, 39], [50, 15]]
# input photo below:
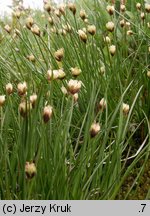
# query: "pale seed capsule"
[[47, 7], [72, 7], [17, 14], [128, 24], [122, 8], [148, 74], [24, 108], [62, 8], [82, 35], [35, 30], [112, 50], [64, 90], [83, 14], [75, 71], [57, 13], [149, 49], [102, 104], [2, 100], [7, 29], [47, 113], [74, 86], [129, 32], [138, 6], [29, 22], [30, 170], [107, 39], [52, 74], [125, 108], [22, 88], [110, 26], [61, 74], [67, 28], [31, 58], [122, 23], [50, 20], [91, 29], [102, 70], [110, 9], [33, 99], [9, 88], [75, 97], [86, 21], [59, 54], [142, 15], [147, 8], [95, 129]]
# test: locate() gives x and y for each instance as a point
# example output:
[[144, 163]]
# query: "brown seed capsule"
[[122, 8], [91, 29], [47, 113], [30, 170], [147, 8], [110, 9], [83, 14], [95, 129], [138, 6], [7, 28], [110, 26], [82, 35], [24, 108], [47, 7], [22, 88], [74, 86], [33, 99], [9, 88], [29, 22], [72, 7], [2, 100], [59, 54], [35, 30], [102, 104], [122, 23]]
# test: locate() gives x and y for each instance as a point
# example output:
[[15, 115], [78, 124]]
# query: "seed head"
[[7, 28], [107, 39], [47, 7], [112, 50], [52, 74], [125, 108], [33, 99], [72, 8], [110, 9], [91, 29], [83, 14], [31, 58], [47, 113], [30, 170], [122, 8], [82, 35], [122, 23], [59, 54], [147, 8], [142, 15], [22, 88], [102, 104], [75, 71], [9, 88], [24, 108], [2, 100], [148, 74], [102, 70], [110, 26], [95, 129], [29, 22], [74, 86], [35, 30], [138, 6]]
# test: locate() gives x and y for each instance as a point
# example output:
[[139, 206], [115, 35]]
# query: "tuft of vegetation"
[[75, 101]]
